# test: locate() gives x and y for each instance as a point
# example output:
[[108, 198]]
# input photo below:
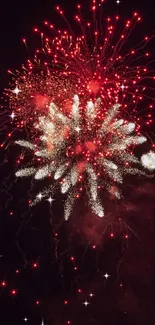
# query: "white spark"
[[118, 2], [86, 303], [77, 129], [122, 86], [39, 196], [50, 200], [16, 91], [12, 115], [25, 319], [106, 275]]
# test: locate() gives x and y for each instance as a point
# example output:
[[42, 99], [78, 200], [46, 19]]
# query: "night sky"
[[50, 268]]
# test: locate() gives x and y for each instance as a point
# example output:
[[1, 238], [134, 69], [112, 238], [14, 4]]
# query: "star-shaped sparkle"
[[25, 319], [50, 200], [106, 275], [16, 91], [12, 115], [77, 129], [86, 303], [39, 196], [122, 87]]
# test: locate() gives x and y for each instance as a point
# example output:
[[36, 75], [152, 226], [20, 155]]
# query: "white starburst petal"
[[127, 128], [112, 170], [68, 207], [92, 180], [25, 144], [122, 144], [90, 110], [60, 171], [75, 109], [134, 171], [42, 172], [97, 208], [62, 118], [52, 109], [117, 124], [42, 153], [110, 116], [25, 172], [74, 175], [125, 157], [66, 185], [109, 164], [114, 191]]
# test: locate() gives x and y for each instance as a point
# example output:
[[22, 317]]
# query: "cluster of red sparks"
[[93, 64]]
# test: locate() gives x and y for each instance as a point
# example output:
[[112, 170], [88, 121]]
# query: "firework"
[[148, 160], [83, 151], [96, 63], [75, 99]]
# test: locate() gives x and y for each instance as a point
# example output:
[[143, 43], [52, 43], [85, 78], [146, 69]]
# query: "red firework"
[[95, 60]]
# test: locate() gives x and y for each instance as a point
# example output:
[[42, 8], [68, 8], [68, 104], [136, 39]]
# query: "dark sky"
[[29, 237]]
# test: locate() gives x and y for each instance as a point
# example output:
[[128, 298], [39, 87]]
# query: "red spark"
[[3, 284], [35, 265], [37, 302], [13, 292]]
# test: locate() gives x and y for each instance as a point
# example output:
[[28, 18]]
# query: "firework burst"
[[86, 150], [99, 62], [75, 99]]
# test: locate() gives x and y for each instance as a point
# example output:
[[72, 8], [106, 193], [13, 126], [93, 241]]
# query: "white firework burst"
[[84, 149], [148, 160]]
